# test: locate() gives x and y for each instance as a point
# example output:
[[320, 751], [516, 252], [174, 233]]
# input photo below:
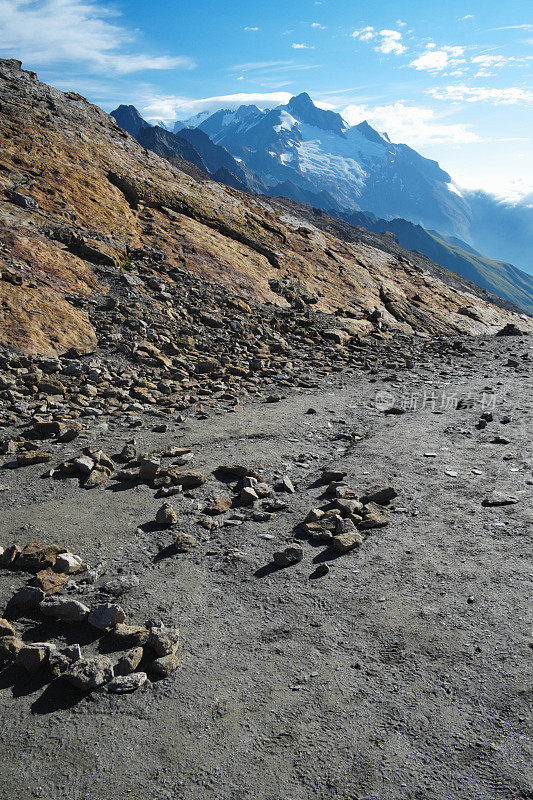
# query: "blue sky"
[[452, 79]]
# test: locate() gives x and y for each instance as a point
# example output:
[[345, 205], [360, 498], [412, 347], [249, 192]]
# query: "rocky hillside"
[[88, 214]]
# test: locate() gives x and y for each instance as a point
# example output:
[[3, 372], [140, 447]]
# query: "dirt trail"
[[403, 673]]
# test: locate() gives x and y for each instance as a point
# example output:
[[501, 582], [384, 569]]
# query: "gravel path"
[[402, 673]]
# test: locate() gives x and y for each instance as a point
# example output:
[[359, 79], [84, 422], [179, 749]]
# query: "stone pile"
[[343, 522], [154, 646]]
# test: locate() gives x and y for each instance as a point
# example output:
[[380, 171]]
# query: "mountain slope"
[[101, 206], [169, 145], [495, 276], [129, 119], [315, 151], [190, 144]]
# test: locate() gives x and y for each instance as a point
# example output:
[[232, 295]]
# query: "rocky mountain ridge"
[[316, 151], [85, 206]]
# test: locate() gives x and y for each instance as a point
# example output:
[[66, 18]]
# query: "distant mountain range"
[[313, 156]]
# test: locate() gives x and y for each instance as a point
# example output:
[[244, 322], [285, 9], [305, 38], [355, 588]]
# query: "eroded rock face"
[[127, 203]]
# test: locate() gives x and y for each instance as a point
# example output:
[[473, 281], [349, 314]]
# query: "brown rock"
[[374, 517], [29, 457], [97, 477], [218, 506], [166, 515], [129, 662], [49, 581], [347, 541], [164, 666]]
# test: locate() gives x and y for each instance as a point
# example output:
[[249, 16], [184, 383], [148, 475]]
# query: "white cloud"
[[302, 46], [511, 95], [413, 124], [365, 34], [526, 26], [250, 28], [391, 43], [45, 32], [171, 107], [466, 16], [318, 26], [387, 41], [436, 59]]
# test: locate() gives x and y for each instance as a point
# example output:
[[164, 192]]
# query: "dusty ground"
[[403, 673]]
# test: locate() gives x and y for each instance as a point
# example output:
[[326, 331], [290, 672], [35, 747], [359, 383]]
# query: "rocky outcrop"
[[82, 205]]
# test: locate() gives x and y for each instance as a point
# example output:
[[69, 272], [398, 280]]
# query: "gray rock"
[[500, 499], [27, 598], [69, 563], [32, 656], [123, 684], [164, 640], [90, 673], [289, 555], [148, 469], [344, 526], [65, 609], [129, 662], [380, 495], [165, 665], [106, 616]]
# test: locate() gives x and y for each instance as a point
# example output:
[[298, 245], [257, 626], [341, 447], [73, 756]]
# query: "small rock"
[[148, 469], [374, 517], [130, 634], [29, 457], [321, 570], [64, 609], [97, 477], [164, 640], [27, 598], [32, 656], [69, 563], [123, 684], [90, 673], [166, 515], [9, 555], [248, 495], [500, 499], [501, 440], [129, 662], [184, 543], [83, 465], [344, 526], [165, 665], [189, 480], [49, 581], [105, 616], [344, 542], [9, 647], [379, 494], [333, 475], [218, 506], [60, 660], [285, 485], [289, 555]]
